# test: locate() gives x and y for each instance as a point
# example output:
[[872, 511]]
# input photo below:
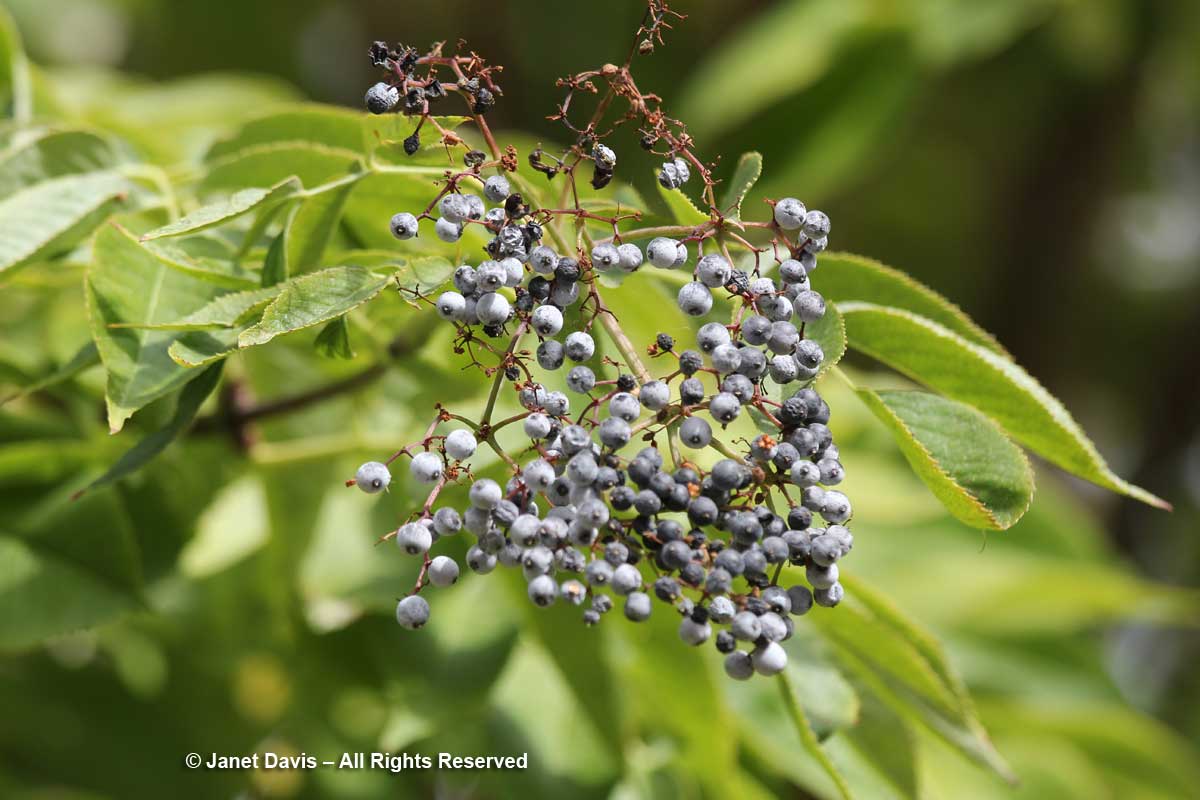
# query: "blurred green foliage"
[[1031, 159]]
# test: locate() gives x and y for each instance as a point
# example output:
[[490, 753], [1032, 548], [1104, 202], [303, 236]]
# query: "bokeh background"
[[1037, 161]]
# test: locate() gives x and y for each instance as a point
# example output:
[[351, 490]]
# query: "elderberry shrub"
[[626, 491]]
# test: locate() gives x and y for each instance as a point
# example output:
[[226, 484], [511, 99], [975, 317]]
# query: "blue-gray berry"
[[713, 271], [485, 493], [543, 591], [630, 257], [809, 354], [726, 358], [448, 230], [724, 407], [694, 633], [626, 579], [403, 225], [412, 612], [816, 224], [666, 253], [637, 607], [829, 596], [414, 538], [694, 299], [454, 207], [460, 444], [372, 477], [382, 98], [809, 306], [615, 433], [746, 626], [550, 355], [605, 257], [624, 406], [789, 213], [492, 308], [711, 336], [579, 346], [655, 395], [537, 425], [447, 521], [480, 561], [792, 271], [451, 305], [721, 610], [581, 379], [496, 188], [543, 260], [769, 659], [695, 433], [426, 467], [820, 577], [443, 571], [739, 666]]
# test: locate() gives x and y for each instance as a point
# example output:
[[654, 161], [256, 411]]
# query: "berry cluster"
[[585, 520]]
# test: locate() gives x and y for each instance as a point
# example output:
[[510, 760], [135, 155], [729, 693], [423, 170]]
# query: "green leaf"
[[586, 669], [424, 274], [43, 596], [993, 596], [55, 215], [190, 399], [86, 357], [241, 202], [330, 126], [267, 165], [745, 175], [807, 737], [334, 339], [205, 258], [311, 227], [380, 195], [66, 565], [35, 156], [385, 135], [905, 668], [199, 348], [275, 265], [681, 208], [16, 95], [225, 311], [845, 277], [127, 283], [829, 332], [313, 299], [171, 121], [946, 362], [964, 458], [1136, 750]]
